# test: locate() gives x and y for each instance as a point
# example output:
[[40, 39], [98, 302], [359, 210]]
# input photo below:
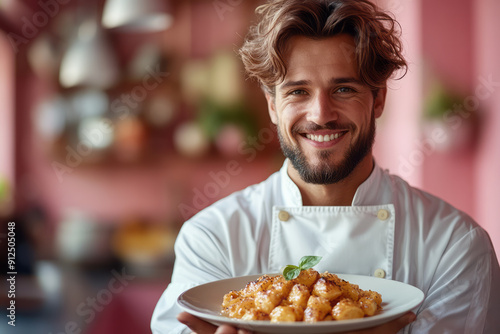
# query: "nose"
[[322, 109]]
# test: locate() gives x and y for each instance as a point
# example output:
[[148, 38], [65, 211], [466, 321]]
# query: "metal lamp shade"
[[89, 61], [138, 15]]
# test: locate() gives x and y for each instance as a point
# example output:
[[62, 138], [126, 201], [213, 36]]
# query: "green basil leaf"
[[309, 261], [290, 272]]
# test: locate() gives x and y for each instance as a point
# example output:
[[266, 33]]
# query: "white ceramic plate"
[[204, 301]]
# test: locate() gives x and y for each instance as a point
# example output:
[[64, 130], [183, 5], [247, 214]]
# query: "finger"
[[196, 324], [391, 327], [243, 331], [398, 324], [226, 330], [402, 322]]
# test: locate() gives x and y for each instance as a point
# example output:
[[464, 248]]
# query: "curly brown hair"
[[378, 50]]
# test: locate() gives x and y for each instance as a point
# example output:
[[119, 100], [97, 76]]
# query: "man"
[[323, 66]]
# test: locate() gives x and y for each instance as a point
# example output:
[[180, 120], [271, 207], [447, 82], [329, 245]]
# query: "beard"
[[325, 172]]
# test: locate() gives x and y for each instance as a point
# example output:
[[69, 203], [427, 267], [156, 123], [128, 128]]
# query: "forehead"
[[328, 55]]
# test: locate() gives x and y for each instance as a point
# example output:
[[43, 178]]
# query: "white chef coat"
[[392, 230]]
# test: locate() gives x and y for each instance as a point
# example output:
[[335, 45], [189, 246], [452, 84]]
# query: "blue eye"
[[297, 92], [345, 90]]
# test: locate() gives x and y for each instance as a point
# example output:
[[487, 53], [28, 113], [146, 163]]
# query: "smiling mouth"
[[324, 138]]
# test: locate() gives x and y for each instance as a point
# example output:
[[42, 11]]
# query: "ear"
[[271, 107], [379, 102]]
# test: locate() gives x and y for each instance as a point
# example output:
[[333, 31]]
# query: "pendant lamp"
[[89, 60], [137, 15]]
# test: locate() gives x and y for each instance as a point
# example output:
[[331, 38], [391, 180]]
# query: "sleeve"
[[464, 296], [200, 258]]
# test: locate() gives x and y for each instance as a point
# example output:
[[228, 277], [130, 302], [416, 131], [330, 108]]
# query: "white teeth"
[[321, 138]]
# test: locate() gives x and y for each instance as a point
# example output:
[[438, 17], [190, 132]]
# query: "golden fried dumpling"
[[349, 290], [327, 289], [317, 309], [255, 314], [370, 302], [267, 300], [375, 296], [230, 298], [261, 284], [307, 277], [283, 314], [368, 305], [281, 286], [299, 295], [347, 309], [239, 307]]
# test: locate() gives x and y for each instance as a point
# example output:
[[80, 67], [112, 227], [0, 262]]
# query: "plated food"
[[309, 297], [204, 302]]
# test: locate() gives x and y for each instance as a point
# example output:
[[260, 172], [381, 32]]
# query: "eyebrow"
[[295, 83], [346, 80], [333, 81]]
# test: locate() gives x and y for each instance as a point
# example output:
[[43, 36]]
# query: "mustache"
[[312, 127]]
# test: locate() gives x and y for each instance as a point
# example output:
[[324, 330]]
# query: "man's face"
[[324, 113]]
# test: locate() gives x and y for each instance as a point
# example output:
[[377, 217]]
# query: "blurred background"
[[120, 119]]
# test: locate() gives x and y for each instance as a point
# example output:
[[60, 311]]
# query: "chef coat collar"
[[370, 192]]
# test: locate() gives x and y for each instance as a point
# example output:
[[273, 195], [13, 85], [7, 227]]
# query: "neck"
[[337, 194]]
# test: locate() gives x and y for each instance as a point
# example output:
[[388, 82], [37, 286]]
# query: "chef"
[[324, 67]]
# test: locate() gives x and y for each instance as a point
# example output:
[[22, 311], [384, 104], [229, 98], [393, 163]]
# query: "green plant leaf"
[[290, 272], [309, 261]]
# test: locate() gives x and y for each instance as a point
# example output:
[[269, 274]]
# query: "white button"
[[382, 214], [283, 216], [380, 273]]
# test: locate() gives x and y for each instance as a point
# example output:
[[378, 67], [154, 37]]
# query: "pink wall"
[[6, 109], [460, 45], [456, 41], [447, 27], [397, 129], [487, 26]]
